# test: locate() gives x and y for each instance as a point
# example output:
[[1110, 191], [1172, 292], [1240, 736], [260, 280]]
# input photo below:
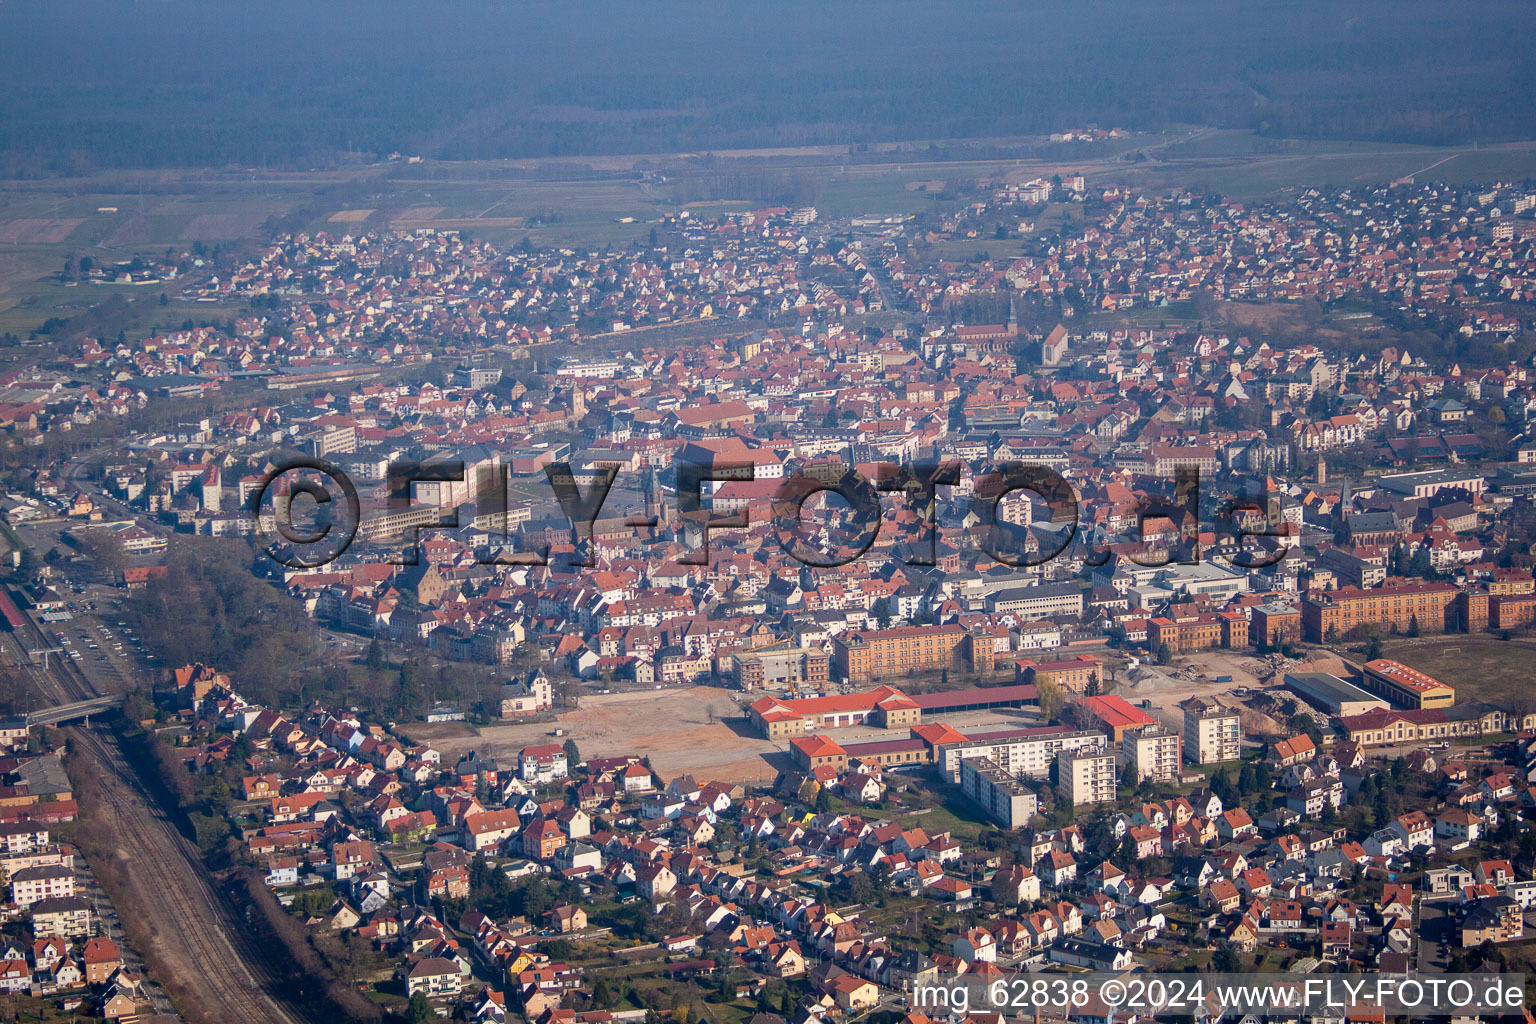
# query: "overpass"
[[69, 712]]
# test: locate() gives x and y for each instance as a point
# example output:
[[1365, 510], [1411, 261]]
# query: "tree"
[[1413, 625], [1226, 960], [860, 888], [1164, 655], [419, 1010], [882, 613], [31, 568], [572, 753], [375, 655], [1223, 787], [536, 898], [1048, 695], [1001, 890], [1248, 781], [105, 549], [823, 801]]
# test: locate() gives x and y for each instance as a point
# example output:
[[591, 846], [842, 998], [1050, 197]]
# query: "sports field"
[[1479, 667]]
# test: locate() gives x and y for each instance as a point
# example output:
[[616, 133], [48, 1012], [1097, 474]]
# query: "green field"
[[1479, 667], [1246, 166]]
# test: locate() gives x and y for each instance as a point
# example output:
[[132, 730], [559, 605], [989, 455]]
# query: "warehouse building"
[[1327, 692]]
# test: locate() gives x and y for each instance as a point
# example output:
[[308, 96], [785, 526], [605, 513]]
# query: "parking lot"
[[98, 641], [90, 629]]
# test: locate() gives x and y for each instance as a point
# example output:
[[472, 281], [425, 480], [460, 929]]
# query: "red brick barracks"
[[780, 718], [1433, 607], [937, 744]]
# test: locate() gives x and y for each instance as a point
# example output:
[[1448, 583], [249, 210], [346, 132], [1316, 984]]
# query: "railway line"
[[192, 932], [196, 930]]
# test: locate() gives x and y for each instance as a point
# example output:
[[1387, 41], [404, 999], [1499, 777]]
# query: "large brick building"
[[1199, 632], [782, 718], [1507, 611], [1274, 624], [1334, 613], [868, 654], [1081, 674], [779, 666]]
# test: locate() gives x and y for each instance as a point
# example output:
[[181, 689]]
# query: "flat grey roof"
[[1328, 687]]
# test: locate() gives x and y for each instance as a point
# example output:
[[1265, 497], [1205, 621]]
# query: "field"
[[697, 729], [1246, 166], [1479, 667], [598, 201]]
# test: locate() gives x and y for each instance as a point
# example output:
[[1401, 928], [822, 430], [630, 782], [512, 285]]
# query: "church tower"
[[655, 506]]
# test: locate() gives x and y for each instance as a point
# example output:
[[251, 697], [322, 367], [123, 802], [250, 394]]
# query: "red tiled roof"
[[1116, 713]]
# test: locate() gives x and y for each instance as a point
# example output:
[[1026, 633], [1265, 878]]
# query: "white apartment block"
[[1003, 797], [1212, 733], [46, 882], [1152, 753], [1021, 753], [1086, 777]]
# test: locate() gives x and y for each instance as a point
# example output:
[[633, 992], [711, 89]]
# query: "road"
[[1436, 933], [190, 932]]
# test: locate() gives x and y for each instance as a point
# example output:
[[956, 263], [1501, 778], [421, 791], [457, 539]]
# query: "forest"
[[105, 84]]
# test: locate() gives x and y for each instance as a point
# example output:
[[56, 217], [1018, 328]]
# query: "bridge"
[[69, 712]]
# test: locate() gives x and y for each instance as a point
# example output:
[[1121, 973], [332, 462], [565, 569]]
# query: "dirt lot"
[[1194, 675], [699, 729]]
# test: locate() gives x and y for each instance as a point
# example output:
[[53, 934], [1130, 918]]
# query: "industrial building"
[[1327, 692]]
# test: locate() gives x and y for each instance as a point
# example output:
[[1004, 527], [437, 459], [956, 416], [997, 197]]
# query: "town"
[[646, 744]]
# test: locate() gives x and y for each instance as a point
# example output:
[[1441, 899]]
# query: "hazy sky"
[[119, 82]]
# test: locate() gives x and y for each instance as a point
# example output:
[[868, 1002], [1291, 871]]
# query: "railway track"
[[195, 929], [193, 932]]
